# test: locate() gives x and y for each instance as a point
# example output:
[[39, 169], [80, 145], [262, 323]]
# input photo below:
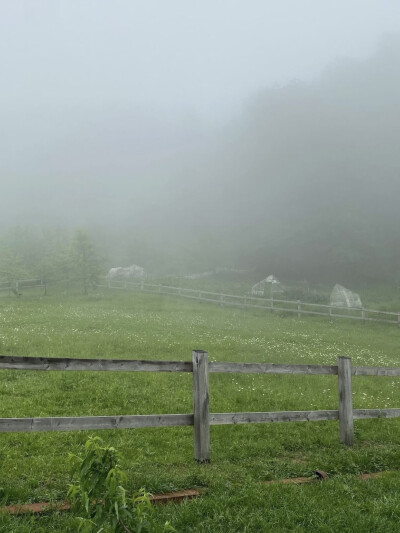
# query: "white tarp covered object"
[[342, 297], [267, 286], [122, 273]]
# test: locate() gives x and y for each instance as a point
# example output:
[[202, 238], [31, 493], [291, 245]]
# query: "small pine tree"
[[85, 263]]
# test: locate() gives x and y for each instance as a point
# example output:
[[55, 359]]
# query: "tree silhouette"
[[85, 262]]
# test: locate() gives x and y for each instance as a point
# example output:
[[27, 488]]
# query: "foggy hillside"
[[303, 181], [309, 178]]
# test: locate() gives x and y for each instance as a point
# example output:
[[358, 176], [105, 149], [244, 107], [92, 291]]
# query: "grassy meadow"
[[235, 497]]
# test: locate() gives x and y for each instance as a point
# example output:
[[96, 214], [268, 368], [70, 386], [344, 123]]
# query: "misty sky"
[[203, 57], [130, 116], [96, 95]]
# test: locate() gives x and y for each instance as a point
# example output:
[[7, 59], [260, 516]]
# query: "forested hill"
[[304, 182]]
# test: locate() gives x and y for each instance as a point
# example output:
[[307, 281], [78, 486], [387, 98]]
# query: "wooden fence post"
[[201, 406], [346, 423]]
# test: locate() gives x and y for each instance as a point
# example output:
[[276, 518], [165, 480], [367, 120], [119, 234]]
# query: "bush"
[[99, 499]]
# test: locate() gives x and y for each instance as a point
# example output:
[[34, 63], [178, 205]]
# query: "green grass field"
[[235, 496]]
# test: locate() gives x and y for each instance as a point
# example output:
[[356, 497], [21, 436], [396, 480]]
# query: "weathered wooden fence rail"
[[296, 307], [15, 286], [201, 418]]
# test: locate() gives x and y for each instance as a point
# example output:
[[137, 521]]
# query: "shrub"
[[99, 498]]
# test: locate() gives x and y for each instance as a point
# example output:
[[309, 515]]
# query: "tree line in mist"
[[51, 256], [304, 183]]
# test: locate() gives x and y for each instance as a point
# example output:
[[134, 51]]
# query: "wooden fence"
[[201, 419], [15, 286], [271, 304]]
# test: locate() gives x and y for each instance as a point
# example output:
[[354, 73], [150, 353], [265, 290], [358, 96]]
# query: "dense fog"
[[300, 177]]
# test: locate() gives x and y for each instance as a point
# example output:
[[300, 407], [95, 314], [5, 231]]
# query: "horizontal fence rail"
[[93, 422], [15, 286], [200, 419], [270, 368], [117, 365], [295, 307], [10, 362], [277, 416]]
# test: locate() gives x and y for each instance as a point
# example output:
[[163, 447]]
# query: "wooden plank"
[[382, 320], [375, 371], [376, 413], [178, 496], [303, 312], [277, 416], [346, 424], [380, 312], [45, 507], [218, 301], [270, 368], [93, 422], [327, 306], [119, 365], [201, 406], [293, 480], [330, 315], [143, 421], [334, 315]]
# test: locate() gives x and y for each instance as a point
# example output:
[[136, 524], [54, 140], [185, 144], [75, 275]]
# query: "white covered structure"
[[342, 297], [126, 273], [267, 287]]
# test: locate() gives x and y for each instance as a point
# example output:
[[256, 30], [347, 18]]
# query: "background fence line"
[[201, 419], [231, 300], [270, 304]]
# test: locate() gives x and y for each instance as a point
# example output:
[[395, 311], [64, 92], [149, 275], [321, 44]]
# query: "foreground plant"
[[99, 498]]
